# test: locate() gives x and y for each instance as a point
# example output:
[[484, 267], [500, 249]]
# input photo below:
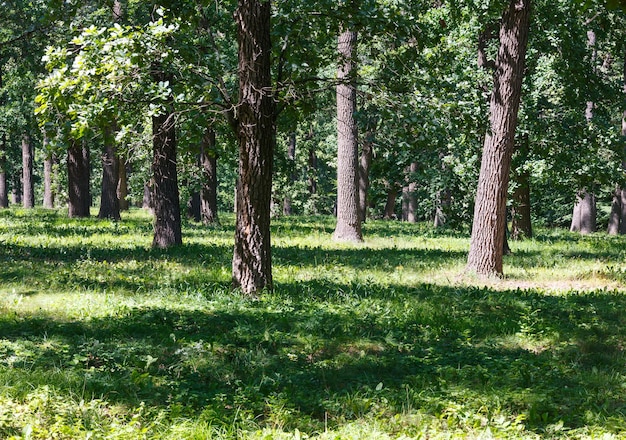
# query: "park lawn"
[[103, 337]]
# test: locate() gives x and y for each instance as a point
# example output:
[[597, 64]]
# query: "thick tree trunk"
[[390, 204], [122, 185], [78, 175], [348, 226], [291, 157], [109, 203], [4, 188], [584, 215], [208, 194], [256, 132], [165, 195], [488, 228], [616, 212], [28, 193], [364, 174], [48, 183]]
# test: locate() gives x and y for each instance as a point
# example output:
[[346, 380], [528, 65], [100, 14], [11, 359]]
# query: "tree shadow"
[[322, 349]]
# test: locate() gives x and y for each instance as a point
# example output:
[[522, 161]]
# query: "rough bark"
[[488, 229], [109, 203], [256, 132], [208, 193], [78, 174], [291, 158], [165, 195], [4, 189], [48, 183], [364, 174], [584, 215], [28, 193], [348, 226]]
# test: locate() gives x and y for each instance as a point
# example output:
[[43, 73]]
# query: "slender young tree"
[[208, 192], [48, 191], [348, 226], [291, 157], [28, 192], [488, 229], [255, 126], [365, 162], [4, 188]]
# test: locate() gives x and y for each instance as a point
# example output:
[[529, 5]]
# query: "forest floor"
[[103, 337]]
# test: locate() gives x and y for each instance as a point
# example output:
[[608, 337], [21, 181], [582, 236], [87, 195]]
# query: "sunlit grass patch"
[[103, 337]]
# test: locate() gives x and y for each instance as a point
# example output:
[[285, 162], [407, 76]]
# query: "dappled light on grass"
[[377, 340]]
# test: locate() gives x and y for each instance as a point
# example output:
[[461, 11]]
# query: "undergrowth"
[[103, 337]]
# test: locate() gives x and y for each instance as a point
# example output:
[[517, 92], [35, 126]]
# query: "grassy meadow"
[[102, 337]]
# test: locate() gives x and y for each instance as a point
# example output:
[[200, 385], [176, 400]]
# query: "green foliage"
[[104, 337]]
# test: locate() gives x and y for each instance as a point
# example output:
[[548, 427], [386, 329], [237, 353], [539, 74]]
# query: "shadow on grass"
[[322, 349]]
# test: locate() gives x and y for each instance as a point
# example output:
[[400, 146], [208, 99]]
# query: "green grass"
[[103, 337]]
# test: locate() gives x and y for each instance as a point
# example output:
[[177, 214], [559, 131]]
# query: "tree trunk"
[[584, 215], [48, 185], [4, 189], [28, 193], [584, 211], [411, 212], [488, 228], [16, 187], [165, 195], [617, 219], [622, 225], [348, 226], [122, 185], [291, 157], [78, 175], [521, 224], [616, 212], [109, 203], [443, 206], [193, 206], [146, 200], [364, 174], [312, 172], [208, 193], [256, 133], [405, 203], [390, 205]]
